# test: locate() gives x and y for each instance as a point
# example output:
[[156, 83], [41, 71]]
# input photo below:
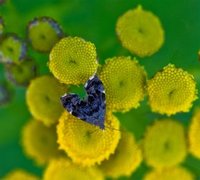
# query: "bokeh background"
[[94, 20]]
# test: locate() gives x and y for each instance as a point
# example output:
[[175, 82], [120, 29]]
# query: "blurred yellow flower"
[[140, 32], [1, 26], [171, 90], [12, 49], [43, 99], [125, 160], [43, 33], [39, 142], [124, 81], [194, 135], [87, 144], [164, 144], [73, 60], [63, 169], [173, 173], [20, 174], [21, 74]]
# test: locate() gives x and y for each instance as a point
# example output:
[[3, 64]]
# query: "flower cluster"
[[86, 144], [70, 148], [82, 147], [20, 68]]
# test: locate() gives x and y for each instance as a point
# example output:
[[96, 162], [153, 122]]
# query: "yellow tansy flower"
[[39, 142], [63, 169], [171, 90], [73, 60], [43, 33], [1, 26], [12, 49], [164, 144], [125, 160], [23, 73], [20, 174], [43, 99], [173, 173], [140, 32], [87, 144], [194, 135], [124, 81]]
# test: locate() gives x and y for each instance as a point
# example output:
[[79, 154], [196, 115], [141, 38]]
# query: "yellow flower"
[[43, 33], [20, 174], [87, 144], [164, 144], [43, 99], [73, 60], [63, 169], [1, 26], [171, 90], [173, 173], [23, 73], [194, 135], [12, 49], [39, 142], [124, 81], [140, 32], [126, 159]]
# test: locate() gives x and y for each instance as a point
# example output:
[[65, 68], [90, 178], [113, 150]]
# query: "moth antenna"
[[114, 129], [121, 130]]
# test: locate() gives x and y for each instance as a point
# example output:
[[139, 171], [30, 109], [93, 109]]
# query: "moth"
[[91, 109]]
